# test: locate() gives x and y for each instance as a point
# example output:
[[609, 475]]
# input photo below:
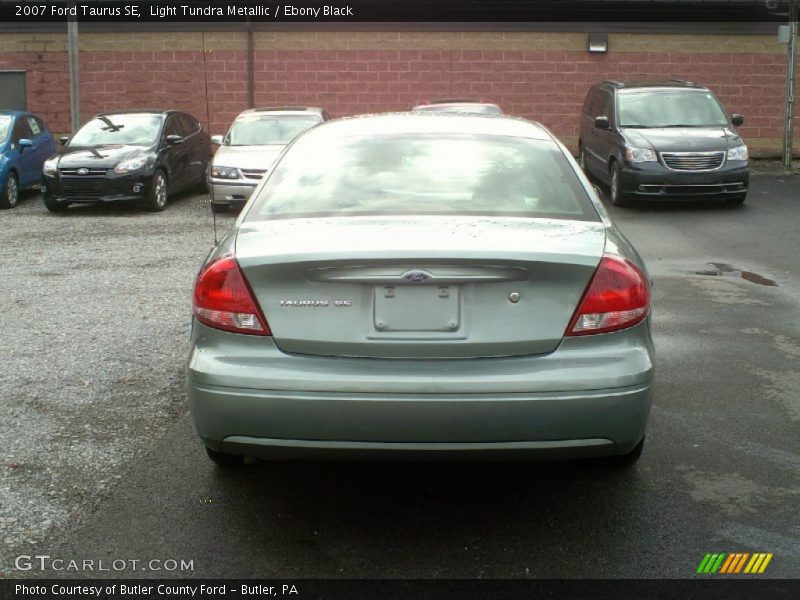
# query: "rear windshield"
[[268, 130], [423, 174], [135, 129], [5, 127], [680, 108]]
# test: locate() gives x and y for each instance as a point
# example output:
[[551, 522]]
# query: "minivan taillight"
[[223, 299], [617, 297]]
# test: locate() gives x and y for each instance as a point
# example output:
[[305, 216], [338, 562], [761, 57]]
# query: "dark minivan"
[[142, 155], [664, 139]]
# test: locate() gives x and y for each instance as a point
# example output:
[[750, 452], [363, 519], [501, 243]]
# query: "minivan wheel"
[[222, 459], [10, 194], [617, 197], [157, 199], [582, 159]]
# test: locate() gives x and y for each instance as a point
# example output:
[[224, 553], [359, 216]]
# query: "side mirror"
[[25, 143], [737, 120], [216, 139], [602, 123], [63, 139], [174, 139]]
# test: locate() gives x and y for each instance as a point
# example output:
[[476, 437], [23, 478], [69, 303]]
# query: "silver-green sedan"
[[422, 285]]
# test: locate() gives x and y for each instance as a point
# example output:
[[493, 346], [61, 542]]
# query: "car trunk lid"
[[419, 286]]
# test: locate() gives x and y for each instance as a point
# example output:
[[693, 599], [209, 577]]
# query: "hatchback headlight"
[[637, 155], [737, 153], [224, 172], [50, 167], [130, 165]]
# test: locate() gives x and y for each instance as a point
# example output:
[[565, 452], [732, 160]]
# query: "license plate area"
[[416, 308]]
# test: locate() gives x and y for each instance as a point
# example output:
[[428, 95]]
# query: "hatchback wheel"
[[54, 206], [157, 200], [617, 197], [10, 195]]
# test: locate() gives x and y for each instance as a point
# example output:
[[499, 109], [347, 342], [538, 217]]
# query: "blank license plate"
[[410, 308]]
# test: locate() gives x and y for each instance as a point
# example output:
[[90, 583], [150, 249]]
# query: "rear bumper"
[[301, 425], [654, 180], [591, 397]]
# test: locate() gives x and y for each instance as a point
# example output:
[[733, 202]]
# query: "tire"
[[626, 460], [222, 459], [55, 207], [617, 197], [159, 192], [737, 200], [10, 194], [219, 208]]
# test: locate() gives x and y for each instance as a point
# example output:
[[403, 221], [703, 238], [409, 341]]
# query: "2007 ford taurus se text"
[[422, 285]]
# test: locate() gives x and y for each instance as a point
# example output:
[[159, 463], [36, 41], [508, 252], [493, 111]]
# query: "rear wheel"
[[10, 194], [157, 199], [222, 459], [54, 206], [582, 159], [618, 198], [219, 208], [626, 460]]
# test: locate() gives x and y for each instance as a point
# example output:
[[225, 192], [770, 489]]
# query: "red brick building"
[[540, 74]]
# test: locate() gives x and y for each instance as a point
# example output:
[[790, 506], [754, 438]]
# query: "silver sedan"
[[422, 285]]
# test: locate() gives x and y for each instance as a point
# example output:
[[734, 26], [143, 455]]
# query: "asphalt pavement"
[[720, 470]]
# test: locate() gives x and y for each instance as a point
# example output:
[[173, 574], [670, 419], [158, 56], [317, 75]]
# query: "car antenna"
[[214, 218]]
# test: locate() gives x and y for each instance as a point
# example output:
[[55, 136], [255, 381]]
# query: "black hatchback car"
[[663, 139], [143, 155]]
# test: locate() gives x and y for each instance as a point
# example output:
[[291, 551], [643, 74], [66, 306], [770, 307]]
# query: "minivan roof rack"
[[617, 84]]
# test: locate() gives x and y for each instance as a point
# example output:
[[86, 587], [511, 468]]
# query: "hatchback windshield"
[[679, 108], [133, 129], [5, 127], [267, 130], [424, 174]]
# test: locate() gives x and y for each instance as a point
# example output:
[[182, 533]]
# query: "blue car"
[[25, 143]]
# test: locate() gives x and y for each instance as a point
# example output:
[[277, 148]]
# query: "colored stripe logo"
[[734, 563]]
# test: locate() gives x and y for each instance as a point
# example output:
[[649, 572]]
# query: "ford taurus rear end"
[[422, 286]]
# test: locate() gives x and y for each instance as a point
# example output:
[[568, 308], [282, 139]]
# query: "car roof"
[[425, 122], [284, 110], [140, 111], [666, 83], [14, 113]]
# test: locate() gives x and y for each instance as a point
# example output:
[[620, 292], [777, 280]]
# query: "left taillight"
[[223, 299]]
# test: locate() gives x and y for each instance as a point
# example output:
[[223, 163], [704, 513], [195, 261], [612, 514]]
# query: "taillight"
[[223, 299], [618, 296]]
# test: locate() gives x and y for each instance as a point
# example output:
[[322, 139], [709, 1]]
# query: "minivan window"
[[133, 129], [424, 174], [670, 108]]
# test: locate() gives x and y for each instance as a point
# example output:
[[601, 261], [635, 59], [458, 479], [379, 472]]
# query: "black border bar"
[[393, 11]]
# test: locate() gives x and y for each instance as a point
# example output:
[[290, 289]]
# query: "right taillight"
[[223, 299], [618, 296]]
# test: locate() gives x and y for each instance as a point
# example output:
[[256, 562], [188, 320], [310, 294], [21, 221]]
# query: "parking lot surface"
[[99, 460]]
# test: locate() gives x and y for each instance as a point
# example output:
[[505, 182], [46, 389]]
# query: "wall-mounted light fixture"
[[598, 42]]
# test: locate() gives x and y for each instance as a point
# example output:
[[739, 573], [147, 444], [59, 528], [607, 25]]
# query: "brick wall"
[[543, 76]]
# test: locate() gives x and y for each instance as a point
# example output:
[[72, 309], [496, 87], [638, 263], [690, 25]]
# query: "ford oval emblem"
[[416, 277], [82, 171]]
